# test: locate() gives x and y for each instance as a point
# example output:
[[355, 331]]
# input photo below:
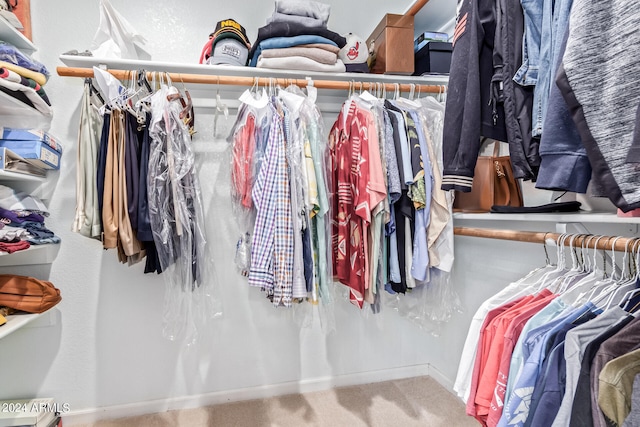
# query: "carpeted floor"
[[409, 402]]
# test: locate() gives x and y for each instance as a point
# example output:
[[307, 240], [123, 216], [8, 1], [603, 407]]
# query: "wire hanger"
[[220, 108]]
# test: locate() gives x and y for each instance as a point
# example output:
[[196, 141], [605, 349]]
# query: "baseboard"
[[441, 378], [92, 415]]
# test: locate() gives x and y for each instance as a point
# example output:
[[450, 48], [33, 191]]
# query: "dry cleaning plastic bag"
[[116, 38]]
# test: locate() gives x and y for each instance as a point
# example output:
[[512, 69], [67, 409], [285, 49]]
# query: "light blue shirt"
[[543, 317], [517, 411]]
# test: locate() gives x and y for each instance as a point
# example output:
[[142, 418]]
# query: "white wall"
[[104, 345]]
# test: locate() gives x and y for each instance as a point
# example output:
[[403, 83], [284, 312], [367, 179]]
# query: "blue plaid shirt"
[[272, 246]]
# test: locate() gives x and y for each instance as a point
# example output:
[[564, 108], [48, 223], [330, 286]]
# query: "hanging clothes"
[[87, 219], [357, 177], [175, 207], [531, 351], [345, 210]]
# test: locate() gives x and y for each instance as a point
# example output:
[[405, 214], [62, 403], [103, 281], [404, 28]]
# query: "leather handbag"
[[493, 185], [24, 293]]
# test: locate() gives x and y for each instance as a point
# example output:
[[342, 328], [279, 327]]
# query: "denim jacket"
[[545, 21]]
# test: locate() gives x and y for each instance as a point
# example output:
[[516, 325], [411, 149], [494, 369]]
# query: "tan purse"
[[493, 185], [24, 293]]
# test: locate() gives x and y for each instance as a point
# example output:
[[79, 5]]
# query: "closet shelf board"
[[36, 254], [17, 321], [10, 34], [188, 68], [16, 114], [10, 177], [591, 217]]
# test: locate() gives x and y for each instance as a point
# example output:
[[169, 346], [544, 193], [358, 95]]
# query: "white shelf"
[[8, 176], [17, 321], [187, 68], [36, 254], [10, 34], [584, 217], [16, 114]]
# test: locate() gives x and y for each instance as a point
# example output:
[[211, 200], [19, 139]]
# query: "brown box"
[[391, 46]]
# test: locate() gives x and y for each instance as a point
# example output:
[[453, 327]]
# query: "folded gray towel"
[[312, 9]]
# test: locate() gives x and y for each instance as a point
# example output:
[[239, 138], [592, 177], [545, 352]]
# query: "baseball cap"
[[229, 28], [354, 54], [229, 51]]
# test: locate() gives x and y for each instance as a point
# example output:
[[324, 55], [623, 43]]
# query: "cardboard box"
[[391, 46], [434, 57]]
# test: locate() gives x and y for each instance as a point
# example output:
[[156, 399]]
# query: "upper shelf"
[[10, 34], [586, 217], [227, 70]]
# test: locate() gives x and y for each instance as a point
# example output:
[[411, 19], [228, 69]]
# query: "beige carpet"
[[409, 402]]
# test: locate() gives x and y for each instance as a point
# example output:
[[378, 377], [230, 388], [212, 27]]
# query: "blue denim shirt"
[[536, 51]]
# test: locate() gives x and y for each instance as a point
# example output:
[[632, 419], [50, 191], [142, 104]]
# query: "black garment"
[[19, 95], [292, 29], [634, 152], [473, 108], [581, 409], [308, 257], [102, 161], [403, 209], [601, 171], [143, 230], [547, 208], [517, 99], [131, 162], [396, 141]]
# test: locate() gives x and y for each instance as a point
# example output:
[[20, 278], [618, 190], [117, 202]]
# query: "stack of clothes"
[[296, 37], [22, 221], [23, 78]]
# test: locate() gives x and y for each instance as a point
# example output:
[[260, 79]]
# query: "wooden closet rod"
[[413, 10], [261, 81], [588, 240]]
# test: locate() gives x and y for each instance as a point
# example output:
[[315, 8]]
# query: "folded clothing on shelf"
[[10, 54], [300, 63], [310, 9], [289, 34]]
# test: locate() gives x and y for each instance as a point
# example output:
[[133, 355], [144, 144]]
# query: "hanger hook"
[[544, 246]]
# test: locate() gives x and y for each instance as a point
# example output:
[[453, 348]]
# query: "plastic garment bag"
[[176, 217], [116, 38]]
